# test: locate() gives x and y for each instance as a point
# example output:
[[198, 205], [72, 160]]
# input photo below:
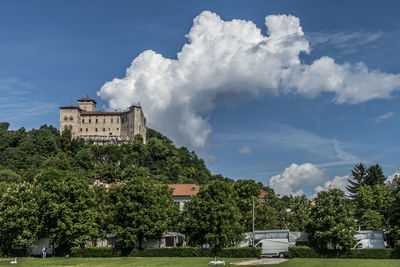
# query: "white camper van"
[[369, 239], [274, 247]]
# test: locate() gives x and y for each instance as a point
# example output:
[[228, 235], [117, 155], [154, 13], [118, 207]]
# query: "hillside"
[[23, 153]]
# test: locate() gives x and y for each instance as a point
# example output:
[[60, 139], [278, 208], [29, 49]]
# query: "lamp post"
[[253, 223]]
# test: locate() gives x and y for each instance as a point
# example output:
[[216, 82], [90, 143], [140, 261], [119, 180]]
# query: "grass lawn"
[[339, 262], [121, 261], [191, 262]]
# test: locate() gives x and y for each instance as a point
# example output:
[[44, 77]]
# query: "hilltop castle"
[[102, 127]]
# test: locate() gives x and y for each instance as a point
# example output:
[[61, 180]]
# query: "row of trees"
[[60, 204], [44, 191]]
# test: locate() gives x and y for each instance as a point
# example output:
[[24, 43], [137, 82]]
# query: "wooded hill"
[[23, 153]]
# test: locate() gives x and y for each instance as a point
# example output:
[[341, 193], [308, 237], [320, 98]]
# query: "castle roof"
[[85, 112], [68, 107], [87, 99]]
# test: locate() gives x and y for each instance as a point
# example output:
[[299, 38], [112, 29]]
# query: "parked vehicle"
[[369, 239], [370, 243], [274, 247]]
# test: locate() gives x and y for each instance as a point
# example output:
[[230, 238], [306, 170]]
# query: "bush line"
[[231, 252]]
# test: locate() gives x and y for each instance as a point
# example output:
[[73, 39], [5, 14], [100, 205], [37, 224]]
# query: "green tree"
[[141, 210], [372, 220], [19, 214], [212, 216], [66, 207], [332, 224], [375, 175], [358, 174], [246, 190], [300, 211]]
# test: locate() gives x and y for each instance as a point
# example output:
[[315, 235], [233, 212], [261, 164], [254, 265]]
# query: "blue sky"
[[53, 52]]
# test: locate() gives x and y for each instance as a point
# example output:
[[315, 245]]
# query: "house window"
[[81, 130], [110, 133], [104, 129], [71, 118], [86, 129], [65, 118], [96, 129], [83, 120], [97, 120], [117, 120], [117, 129], [90, 120], [104, 120], [112, 120]]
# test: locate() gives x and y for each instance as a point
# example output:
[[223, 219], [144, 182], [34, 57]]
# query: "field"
[[191, 262]]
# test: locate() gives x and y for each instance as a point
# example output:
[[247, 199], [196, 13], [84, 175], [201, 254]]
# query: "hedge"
[[366, 253], [231, 252]]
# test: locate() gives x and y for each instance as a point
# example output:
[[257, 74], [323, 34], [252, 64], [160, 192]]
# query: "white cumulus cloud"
[[231, 60], [294, 178], [338, 182]]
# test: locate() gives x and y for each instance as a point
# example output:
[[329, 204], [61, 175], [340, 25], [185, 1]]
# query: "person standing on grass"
[[44, 252]]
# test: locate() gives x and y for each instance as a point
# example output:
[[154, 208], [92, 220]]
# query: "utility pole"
[[253, 223]]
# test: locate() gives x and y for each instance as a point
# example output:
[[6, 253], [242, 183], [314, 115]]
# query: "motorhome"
[[369, 239]]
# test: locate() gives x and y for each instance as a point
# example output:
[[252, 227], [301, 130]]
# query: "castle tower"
[[87, 104]]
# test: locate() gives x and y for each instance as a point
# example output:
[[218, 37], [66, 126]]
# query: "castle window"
[[65, 118], [86, 129], [117, 120], [104, 120], [112, 120], [71, 118], [81, 129], [97, 120], [83, 120], [96, 129], [90, 120], [104, 129]]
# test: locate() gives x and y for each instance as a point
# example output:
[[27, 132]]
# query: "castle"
[[102, 127]]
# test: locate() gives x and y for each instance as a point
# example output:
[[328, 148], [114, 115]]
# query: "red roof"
[[87, 99], [184, 189], [262, 194]]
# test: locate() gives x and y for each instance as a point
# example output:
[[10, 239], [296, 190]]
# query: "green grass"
[[190, 262], [339, 262], [121, 261]]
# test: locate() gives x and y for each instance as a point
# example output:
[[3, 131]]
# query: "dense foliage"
[[47, 188]]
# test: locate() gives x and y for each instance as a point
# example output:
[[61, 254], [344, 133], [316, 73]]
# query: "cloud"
[[338, 182], [343, 39], [391, 177], [17, 97], [244, 151], [227, 61], [295, 177], [384, 116], [281, 136]]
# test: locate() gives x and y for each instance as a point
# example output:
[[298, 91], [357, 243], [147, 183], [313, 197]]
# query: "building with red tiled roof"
[[183, 192], [262, 194], [84, 121]]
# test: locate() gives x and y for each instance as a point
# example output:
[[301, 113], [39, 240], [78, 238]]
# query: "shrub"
[[232, 252], [303, 252]]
